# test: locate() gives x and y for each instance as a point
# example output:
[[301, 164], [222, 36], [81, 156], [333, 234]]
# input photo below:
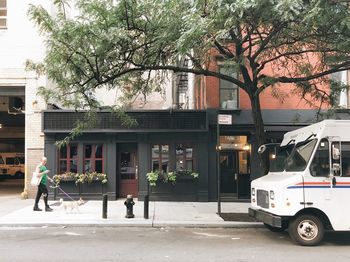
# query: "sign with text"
[[224, 119]]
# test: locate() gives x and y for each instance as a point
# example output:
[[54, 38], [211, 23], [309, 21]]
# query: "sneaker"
[[37, 209], [48, 209]]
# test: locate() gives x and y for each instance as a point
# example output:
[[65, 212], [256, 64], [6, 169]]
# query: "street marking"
[[210, 235]]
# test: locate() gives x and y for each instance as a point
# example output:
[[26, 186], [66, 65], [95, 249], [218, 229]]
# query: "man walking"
[[41, 171]]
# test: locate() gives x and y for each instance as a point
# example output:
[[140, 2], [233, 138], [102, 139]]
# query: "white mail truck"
[[307, 189]]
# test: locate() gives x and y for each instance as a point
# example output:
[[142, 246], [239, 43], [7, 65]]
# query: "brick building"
[[177, 129]]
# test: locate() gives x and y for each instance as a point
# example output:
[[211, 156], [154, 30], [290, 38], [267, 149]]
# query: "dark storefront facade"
[[168, 141]]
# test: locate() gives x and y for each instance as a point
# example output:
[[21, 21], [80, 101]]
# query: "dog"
[[24, 194], [70, 206]]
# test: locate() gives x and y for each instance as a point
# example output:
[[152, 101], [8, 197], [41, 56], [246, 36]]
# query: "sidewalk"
[[17, 212]]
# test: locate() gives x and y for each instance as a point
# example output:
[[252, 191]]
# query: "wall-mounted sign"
[[224, 119]]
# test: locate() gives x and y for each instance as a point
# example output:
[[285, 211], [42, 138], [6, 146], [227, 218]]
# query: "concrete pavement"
[[17, 212]]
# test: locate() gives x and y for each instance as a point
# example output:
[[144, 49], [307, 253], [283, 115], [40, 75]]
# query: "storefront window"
[[160, 154], [93, 158], [184, 157], [68, 159]]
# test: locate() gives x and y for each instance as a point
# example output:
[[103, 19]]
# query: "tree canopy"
[[113, 43]]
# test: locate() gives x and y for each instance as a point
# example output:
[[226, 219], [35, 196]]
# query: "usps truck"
[[307, 189]]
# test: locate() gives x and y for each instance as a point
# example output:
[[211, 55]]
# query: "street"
[[164, 244]]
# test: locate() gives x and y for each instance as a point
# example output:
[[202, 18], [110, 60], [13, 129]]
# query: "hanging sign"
[[224, 119]]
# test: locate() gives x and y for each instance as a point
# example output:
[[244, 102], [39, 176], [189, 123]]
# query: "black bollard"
[[146, 207], [104, 206], [129, 203]]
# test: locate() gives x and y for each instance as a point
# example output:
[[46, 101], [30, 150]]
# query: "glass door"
[[127, 166]]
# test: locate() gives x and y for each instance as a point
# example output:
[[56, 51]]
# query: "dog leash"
[[57, 186]]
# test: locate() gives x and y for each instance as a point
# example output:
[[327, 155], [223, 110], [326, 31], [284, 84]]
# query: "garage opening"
[[12, 139]]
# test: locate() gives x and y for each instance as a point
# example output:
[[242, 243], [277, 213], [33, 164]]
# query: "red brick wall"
[[277, 97]]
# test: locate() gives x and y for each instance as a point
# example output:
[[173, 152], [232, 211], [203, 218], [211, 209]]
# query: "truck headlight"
[[272, 195], [253, 191]]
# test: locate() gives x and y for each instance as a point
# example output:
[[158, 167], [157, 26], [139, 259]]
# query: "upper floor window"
[[93, 158], [3, 14], [341, 96], [68, 159], [228, 90]]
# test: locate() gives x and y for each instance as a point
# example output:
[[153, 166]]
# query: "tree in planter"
[[263, 43]]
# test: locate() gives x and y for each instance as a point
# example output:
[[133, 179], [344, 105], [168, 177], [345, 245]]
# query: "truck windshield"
[[300, 156], [20, 160], [279, 156]]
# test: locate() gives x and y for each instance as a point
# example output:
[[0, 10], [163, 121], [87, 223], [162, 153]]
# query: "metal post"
[[104, 206], [146, 207], [218, 163]]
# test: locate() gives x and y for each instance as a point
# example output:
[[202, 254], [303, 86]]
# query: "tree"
[[117, 42]]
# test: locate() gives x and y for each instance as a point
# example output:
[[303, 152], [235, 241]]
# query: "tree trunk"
[[259, 131]]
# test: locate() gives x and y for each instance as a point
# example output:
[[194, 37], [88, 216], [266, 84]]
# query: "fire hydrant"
[[129, 203]]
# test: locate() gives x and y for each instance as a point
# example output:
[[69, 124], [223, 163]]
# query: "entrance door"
[[234, 174], [228, 177], [127, 166]]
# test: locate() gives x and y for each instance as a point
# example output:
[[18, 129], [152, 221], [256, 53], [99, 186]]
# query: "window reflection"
[[68, 159], [160, 154]]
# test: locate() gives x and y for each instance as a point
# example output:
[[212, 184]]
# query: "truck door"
[[328, 186], [339, 184], [317, 184]]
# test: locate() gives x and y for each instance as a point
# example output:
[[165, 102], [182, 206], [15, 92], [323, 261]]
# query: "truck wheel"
[[277, 229], [19, 174], [306, 230]]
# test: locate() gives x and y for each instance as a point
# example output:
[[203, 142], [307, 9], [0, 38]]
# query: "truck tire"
[[306, 230], [277, 229], [19, 174]]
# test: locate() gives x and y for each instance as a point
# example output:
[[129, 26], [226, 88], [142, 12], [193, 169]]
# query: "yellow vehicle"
[[12, 164]]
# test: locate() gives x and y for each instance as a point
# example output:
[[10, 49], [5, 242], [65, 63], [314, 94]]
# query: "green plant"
[[168, 177], [194, 174], [152, 177], [185, 172], [80, 178], [171, 177]]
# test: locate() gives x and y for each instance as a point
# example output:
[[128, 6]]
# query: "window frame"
[[160, 156], [93, 157], [68, 158], [184, 156], [172, 158], [232, 88]]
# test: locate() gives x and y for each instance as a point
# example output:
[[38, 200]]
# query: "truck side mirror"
[[336, 169]]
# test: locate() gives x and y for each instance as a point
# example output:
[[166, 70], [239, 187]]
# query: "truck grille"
[[263, 198]]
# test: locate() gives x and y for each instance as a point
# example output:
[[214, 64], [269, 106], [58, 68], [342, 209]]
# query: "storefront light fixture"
[[246, 147]]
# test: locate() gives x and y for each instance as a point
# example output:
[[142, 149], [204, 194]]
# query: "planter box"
[[93, 190], [182, 178], [183, 190]]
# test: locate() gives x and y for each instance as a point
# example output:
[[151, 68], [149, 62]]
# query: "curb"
[[149, 224]]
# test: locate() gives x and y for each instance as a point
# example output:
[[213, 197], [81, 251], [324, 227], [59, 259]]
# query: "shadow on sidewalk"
[[241, 217]]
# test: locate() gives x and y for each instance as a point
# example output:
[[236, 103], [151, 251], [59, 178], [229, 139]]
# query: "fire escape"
[[181, 87]]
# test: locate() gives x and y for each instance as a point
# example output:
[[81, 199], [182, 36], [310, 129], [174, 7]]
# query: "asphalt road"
[[159, 245]]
